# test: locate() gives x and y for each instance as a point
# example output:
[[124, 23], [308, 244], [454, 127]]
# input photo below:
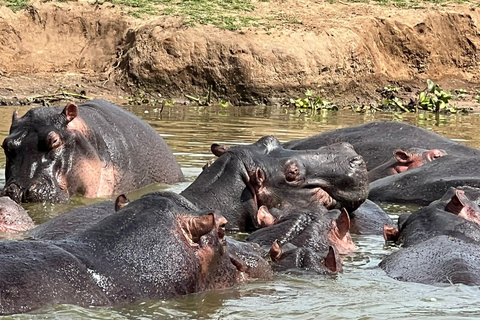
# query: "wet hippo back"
[[441, 259], [376, 141], [429, 182]]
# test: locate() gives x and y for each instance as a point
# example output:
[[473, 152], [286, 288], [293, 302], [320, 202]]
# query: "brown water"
[[362, 291]]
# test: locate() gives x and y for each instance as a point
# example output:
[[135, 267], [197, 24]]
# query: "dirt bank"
[[344, 51]]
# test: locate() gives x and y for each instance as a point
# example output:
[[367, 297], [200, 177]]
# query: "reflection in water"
[[362, 291]]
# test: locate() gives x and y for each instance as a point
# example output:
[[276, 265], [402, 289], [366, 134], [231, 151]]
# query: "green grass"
[[15, 5], [225, 14]]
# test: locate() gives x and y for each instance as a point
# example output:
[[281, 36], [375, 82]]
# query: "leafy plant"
[[435, 99], [311, 102]]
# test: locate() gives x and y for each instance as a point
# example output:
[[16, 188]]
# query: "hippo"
[[369, 219], [95, 149], [153, 248], [404, 160], [244, 178], [306, 228], [429, 182], [13, 218], [438, 260], [249, 258], [376, 141], [291, 258], [441, 217]]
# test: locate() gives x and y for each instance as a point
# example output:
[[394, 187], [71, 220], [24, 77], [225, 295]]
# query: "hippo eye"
[[53, 140], [7, 147]]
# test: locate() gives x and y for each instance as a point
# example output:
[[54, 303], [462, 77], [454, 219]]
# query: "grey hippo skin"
[[96, 149], [441, 259], [439, 218], [429, 182], [244, 178], [369, 219], [377, 141], [152, 248]]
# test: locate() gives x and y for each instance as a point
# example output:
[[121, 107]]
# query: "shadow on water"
[[361, 292]]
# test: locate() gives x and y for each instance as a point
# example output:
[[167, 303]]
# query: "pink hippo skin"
[[13, 218], [403, 161]]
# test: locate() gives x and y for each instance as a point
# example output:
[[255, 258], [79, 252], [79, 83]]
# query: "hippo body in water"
[[95, 149]]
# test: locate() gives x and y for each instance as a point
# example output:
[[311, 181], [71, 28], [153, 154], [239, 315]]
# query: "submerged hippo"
[[151, 249], [244, 178], [306, 228], [290, 258], [454, 215], [441, 259], [95, 149], [404, 160], [377, 141], [429, 182]]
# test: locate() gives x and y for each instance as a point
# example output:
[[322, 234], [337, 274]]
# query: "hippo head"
[[311, 227], [38, 155], [246, 177], [290, 257]]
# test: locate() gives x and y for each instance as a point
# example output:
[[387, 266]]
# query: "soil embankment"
[[344, 51]]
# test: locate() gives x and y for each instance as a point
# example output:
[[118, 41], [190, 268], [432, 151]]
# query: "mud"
[[344, 51]]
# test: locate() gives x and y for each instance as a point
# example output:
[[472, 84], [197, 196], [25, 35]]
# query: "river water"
[[362, 291]]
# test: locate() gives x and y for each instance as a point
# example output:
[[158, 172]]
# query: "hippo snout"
[[14, 192]]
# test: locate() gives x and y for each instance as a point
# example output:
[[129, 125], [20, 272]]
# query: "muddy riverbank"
[[345, 52]]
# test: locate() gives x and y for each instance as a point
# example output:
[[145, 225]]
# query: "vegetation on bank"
[[226, 14], [431, 99]]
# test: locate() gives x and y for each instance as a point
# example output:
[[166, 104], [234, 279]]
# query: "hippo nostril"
[[356, 161], [14, 192]]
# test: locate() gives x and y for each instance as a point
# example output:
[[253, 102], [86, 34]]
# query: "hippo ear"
[[457, 203], [331, 260], [70, 112], [343, 223], [390, 233], [264, 217], [402, 156], [218, 149], [259, 177], [14, 116], [195, 227], [275, 252], [462, 206], [121, 202]]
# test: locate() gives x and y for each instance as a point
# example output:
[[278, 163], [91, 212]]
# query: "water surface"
[[362, 291]]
